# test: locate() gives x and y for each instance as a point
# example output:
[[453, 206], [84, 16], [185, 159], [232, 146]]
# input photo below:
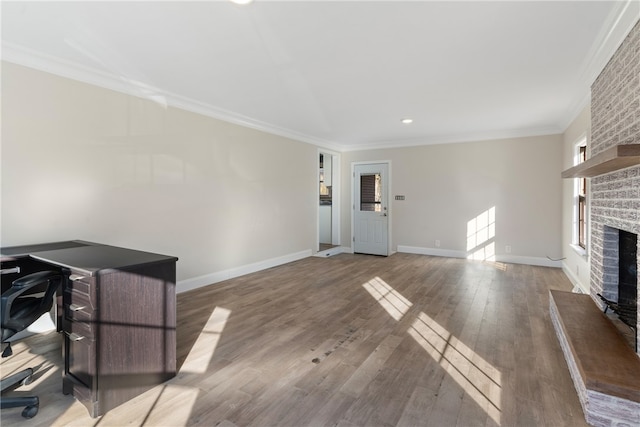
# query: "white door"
[[370, 209]]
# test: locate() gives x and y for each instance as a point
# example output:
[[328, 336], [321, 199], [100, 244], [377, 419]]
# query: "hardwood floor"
[[350, 340]]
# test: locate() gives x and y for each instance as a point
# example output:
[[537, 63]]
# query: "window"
[[581, 199], [370, 193]]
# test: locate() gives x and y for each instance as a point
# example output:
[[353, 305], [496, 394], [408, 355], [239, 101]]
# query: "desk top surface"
[[26, 250], [86, 257]]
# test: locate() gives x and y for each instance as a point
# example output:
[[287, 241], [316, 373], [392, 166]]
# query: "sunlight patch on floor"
[[171, 403], [394, 303], [173, 406], [479, 379], [165, 405], [198, 359], [497, 265]]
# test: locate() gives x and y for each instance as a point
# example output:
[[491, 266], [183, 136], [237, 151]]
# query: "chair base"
[[31, 403], [28, 298], [23, 377]]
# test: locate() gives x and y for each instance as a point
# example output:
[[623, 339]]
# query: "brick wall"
[[615, 97], [615, 197]]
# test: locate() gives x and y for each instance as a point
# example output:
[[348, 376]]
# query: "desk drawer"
[[85, 331], [78, 306], [80, 358], [81, 328], [81, 283]]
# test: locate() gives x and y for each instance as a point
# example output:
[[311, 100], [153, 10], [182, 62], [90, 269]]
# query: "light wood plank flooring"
[[350, 340]]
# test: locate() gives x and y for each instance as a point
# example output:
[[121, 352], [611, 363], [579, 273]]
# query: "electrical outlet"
[[507, 249], [437, 243]]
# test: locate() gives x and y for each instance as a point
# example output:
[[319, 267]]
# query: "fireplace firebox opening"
[[621, 272], [628, 269]]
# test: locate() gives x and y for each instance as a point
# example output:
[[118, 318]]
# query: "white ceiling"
[[335, 73]]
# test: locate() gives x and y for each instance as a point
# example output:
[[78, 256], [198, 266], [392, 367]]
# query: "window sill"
[[579, 250]]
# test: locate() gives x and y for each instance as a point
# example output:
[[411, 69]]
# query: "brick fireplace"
[[615, 196], [604, 367]]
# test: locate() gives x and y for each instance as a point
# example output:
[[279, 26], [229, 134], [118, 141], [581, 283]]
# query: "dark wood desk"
[[118, 315]]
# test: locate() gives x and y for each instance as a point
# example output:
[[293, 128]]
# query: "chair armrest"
[[23, 285], [27, 282]]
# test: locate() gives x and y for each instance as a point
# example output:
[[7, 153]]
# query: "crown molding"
[[617, 27], [455, 138], [37, 60]]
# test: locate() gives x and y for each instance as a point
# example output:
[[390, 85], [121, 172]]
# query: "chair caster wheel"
[[30, 411], [28, 380]]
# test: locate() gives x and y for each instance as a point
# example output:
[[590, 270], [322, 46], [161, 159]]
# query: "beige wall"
[[575, 263], [82, 162], [448, 185]]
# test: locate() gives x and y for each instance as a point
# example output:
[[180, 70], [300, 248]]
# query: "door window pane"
[[370, 192]]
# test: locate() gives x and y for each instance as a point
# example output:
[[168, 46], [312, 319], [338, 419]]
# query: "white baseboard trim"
[[529, 260], [512, 259], [578, 286], [208, 279], [448, 253]]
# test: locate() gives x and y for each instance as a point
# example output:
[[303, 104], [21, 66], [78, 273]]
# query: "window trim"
[[581, 202]]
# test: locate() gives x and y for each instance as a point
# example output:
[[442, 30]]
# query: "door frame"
[[335, 198], [353, 202]]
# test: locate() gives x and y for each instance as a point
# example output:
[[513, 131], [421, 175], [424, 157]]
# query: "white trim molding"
[[209, 279], [617, 26], [510, 259], [37, 60], [448, 253], [578, 286]]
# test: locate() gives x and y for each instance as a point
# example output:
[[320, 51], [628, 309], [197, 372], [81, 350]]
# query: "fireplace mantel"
[[613, 159]]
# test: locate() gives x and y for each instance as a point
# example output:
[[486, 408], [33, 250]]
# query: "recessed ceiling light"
[[407, 121], [241, 1]]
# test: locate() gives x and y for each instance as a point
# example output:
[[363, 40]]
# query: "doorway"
[[370, 208], [329, 203]]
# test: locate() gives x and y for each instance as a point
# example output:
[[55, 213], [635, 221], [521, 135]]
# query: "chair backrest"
[[28, 298]]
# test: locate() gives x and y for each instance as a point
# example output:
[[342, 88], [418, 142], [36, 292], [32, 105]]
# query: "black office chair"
[[28, 298]]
